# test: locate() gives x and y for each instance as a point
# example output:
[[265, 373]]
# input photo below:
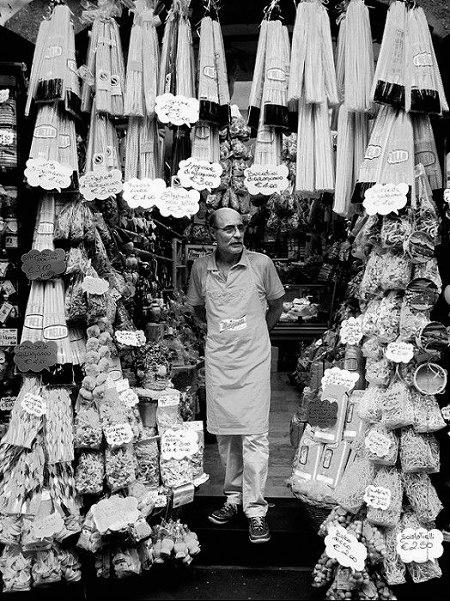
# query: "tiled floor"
[[284, 399]]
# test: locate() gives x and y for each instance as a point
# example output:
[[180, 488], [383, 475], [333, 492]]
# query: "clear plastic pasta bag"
[[147, 462], [369, 407], [369, 318], [371, 280], [396, 272], [88, 431], [15, 569], [388, 321], [411, 321], [120, 467], [395, 230], [89, 473], [397, 409], [357, 476], [422, 497], [382, 445], [379, 372], [394, 567], [427, 414], [418, 452], [387, 478], [372, 348]]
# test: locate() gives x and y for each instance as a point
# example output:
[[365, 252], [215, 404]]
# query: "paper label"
[[49, 175], [118, 435], [399, 352], [340, 377], [378, 497], [351, 330], [322, 413], [177, 110], [233, 325], [129, 398], [178, 444], [5, 310], [34, 321], [122, 385], [235, 112], [423, 59], [383, 199], [47, 526], [276, 74], [101, 184], [130, 337], [44, 264], [419, 545], [47, 132], [8, 337], [4, 95], [115, 513], [446, 413], [169, 400], [35, 356], [179, 202], [143, 192], [200, 175], [266, 179], [378, 443], [34, 404], [7, 403], [86, 75], [182, 495], [93, 285], [345, 548], [7, 137]]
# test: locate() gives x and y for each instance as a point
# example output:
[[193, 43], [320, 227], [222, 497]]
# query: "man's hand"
[[274, 312]]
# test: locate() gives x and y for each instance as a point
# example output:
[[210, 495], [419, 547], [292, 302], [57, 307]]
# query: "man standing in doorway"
[[240, 295]]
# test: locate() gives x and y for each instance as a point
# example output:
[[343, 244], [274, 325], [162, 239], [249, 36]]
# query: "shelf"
[[290, 331]]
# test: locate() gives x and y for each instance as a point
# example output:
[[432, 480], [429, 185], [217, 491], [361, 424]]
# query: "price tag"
[[122, 385], [118, 435], [345, 548], [34, 404], [399, 352], [131, 337], [200, 175], [47, 526], [44, 264], [322, 413], [266, 179], [86, 75], [96, 286], [182, 495], [8, 337], [8, 287], [378, 497], [129, 398], [377, 443], [383, 199], [419, 545], [115, 513], [178, 444], [49, 175], [100, 184], [7, 403], [5, 310], [35, 356], [143, 192], [351, 330], [179, 202], [177, 110], [446, 413], [7, 137], [340, 377]]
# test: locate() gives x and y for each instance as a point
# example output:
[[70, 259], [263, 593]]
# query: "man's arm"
[[274, 312]]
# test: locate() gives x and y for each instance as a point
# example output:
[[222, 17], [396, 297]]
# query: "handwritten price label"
[[345, 548], [378, 497], [266, 179], [419, 545], [49, 175], [35, 356], [131, 337], [143, 192], [7, 403], [44, 264], [377, 443], [115, 513], [93, 285], [34, 404], [383, 199], [399, 352], [178, 444], [118, 435], [179, 202], [101, 184], [340, 377], [200, 175], [177, 110], [351, 330]]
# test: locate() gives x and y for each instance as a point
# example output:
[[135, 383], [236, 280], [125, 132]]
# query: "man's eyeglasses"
[[230, 229]]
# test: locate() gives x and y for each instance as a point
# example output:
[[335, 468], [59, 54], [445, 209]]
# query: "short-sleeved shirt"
[[268, 282]]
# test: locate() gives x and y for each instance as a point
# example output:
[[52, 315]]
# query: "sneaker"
[[258, 530], [224, 514]]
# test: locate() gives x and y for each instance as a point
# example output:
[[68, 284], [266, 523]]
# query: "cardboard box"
[[333, 434], [333, 462], [308, 457], [353, 423]]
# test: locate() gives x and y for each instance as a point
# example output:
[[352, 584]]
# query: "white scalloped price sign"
[[49, 175], [351, 330], [378, 497], [178, 444], [177, 110], [101, 184], [143, 193], [130, 337], [340, 377], [266, 179], [34, 404], [383, 199], [118, 434], [419, 545], [93, 285], [399, 352], [200, 175], [179, 202], [345, 548], [378, 443]]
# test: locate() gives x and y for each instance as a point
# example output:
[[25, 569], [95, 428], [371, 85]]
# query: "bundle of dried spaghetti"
[[34, 314], [143, 155], [58, 431], [276, 75], [143, 62], [425, 151], [54, 326], [208, 90], [389, 80], [25, 423], [103, 147], [206, 145], [54, 137], [61, 483], [268, 146], [54, 73], [352, 140], [78, 345], [256, 92], [424, 91], [45, 224], [312, 72], [222, 75], [167, 68]]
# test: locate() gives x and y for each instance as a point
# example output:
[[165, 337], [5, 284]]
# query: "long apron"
[[237, 356]]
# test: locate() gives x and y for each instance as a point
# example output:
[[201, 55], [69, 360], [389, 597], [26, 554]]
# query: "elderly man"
[[241, 296]]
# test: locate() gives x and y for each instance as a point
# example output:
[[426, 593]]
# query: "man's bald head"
[[224, 216]]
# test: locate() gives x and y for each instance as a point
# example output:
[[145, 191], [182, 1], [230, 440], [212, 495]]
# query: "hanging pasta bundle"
[[143, 62], [389, 81], [425, 151], [103, 147], [276, 75], [424, 91], [184, 64], [143, 157], [54, 326], [58, 430], [167, 67], [256, 92], [54, 72], [54, 137], [206, 145]]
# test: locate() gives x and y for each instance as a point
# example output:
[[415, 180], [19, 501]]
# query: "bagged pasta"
[[87, 428], [422, 497], [382, 446], [125, 561], [119, 467], [89, 473], [396, 407], [46, 568], [427, 414], [358, 474], [388, 320], [197, 457], [372, 348], [396, 271], [371, 280], [394, 567], [379, 373], [369, 318], [394, 231], [15, 569], [147, 460], [10, 529], [369, 407], [419, 452], [168, 412], [388, 515], [90, 538], [419, 572], [411, 321], [70, 565]]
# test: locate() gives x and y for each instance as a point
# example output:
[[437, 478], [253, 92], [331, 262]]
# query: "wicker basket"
[[317, 511]]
